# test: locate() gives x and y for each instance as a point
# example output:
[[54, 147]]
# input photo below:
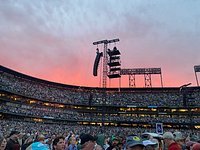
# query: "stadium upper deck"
[[28, 86]]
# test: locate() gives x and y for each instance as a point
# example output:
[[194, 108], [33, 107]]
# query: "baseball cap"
[[168, 135], [148, 142], [178, 136], [132, 141], [114, 138]]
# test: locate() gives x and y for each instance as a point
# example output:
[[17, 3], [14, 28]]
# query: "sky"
[[52, 39]]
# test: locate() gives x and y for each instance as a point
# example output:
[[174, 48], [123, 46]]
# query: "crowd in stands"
[[73, 95], [70, 115], [104, 136], [79, 95], [61, 129]]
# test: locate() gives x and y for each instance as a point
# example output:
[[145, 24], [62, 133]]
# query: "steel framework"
[[105, 58], [147, 72]]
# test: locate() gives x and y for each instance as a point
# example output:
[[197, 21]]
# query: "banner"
[[159, 128]]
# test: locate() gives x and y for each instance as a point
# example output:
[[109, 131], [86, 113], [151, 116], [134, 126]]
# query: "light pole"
[[184, 91]]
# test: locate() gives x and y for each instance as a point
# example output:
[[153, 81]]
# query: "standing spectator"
[[134, 143], [106, 143], [2, 143], [59, 143], [169, 141], [13, 143], [88, 143], [39, 144], [114, 143], [72, 145], [180, 140], [27, 142]]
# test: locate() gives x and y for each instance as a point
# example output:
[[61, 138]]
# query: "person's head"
[[53, 137], [21, 135], [73, 140], [41, 138], [106, 140], [168, 138], [134, 143], [190, 144], [149, 145], [28, 140], [2, 143], [196, 146], [87, 142], [59, 143], [115, 141], [157, 143], [14, 135], [178, 137]]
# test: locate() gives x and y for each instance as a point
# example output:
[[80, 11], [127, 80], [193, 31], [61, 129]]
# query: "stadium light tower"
[[184, 93], [197, 69], [105, 58]]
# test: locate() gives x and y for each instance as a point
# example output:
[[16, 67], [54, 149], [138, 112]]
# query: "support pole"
[[196, 78]]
